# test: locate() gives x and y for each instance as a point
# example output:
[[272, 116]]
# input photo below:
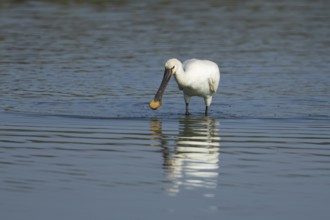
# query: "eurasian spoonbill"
[[194, 77]]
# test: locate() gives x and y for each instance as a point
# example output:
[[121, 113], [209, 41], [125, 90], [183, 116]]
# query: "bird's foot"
[[187, 113]]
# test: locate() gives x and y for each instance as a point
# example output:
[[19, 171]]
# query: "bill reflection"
[[191, 158]]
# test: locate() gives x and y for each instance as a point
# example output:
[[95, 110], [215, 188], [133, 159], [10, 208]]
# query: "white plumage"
[[194, 77]]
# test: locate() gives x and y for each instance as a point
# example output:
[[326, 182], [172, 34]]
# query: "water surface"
[[78, 140]]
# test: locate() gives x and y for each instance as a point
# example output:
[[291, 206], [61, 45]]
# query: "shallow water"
[[54, 167], [78, 140]]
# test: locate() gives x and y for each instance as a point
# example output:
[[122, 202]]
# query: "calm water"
[[78, 140]]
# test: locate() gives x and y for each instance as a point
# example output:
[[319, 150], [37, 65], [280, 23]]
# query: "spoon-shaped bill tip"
[[154, 105]]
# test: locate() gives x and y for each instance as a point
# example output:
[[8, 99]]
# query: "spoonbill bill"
[[194, 77]]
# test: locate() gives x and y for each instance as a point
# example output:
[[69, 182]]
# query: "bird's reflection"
[[191, 156]]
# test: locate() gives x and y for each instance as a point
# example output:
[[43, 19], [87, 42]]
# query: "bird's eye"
[[173, 67]]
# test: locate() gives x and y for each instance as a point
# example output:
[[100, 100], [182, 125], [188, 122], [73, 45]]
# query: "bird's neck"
[[180, 76]]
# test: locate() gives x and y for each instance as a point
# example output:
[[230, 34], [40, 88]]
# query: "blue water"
[[78, 140]]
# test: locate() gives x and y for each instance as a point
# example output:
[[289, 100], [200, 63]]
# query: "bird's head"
[[171, 67]]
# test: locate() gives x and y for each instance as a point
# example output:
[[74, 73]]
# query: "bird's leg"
[[207, 100], [187, 108], [206, 109], [187, 99]]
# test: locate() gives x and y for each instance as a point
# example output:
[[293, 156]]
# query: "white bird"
[[194, 78]]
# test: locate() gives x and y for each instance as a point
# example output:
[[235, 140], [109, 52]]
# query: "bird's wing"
[[212, 85], [213, 82], [189, 64]]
